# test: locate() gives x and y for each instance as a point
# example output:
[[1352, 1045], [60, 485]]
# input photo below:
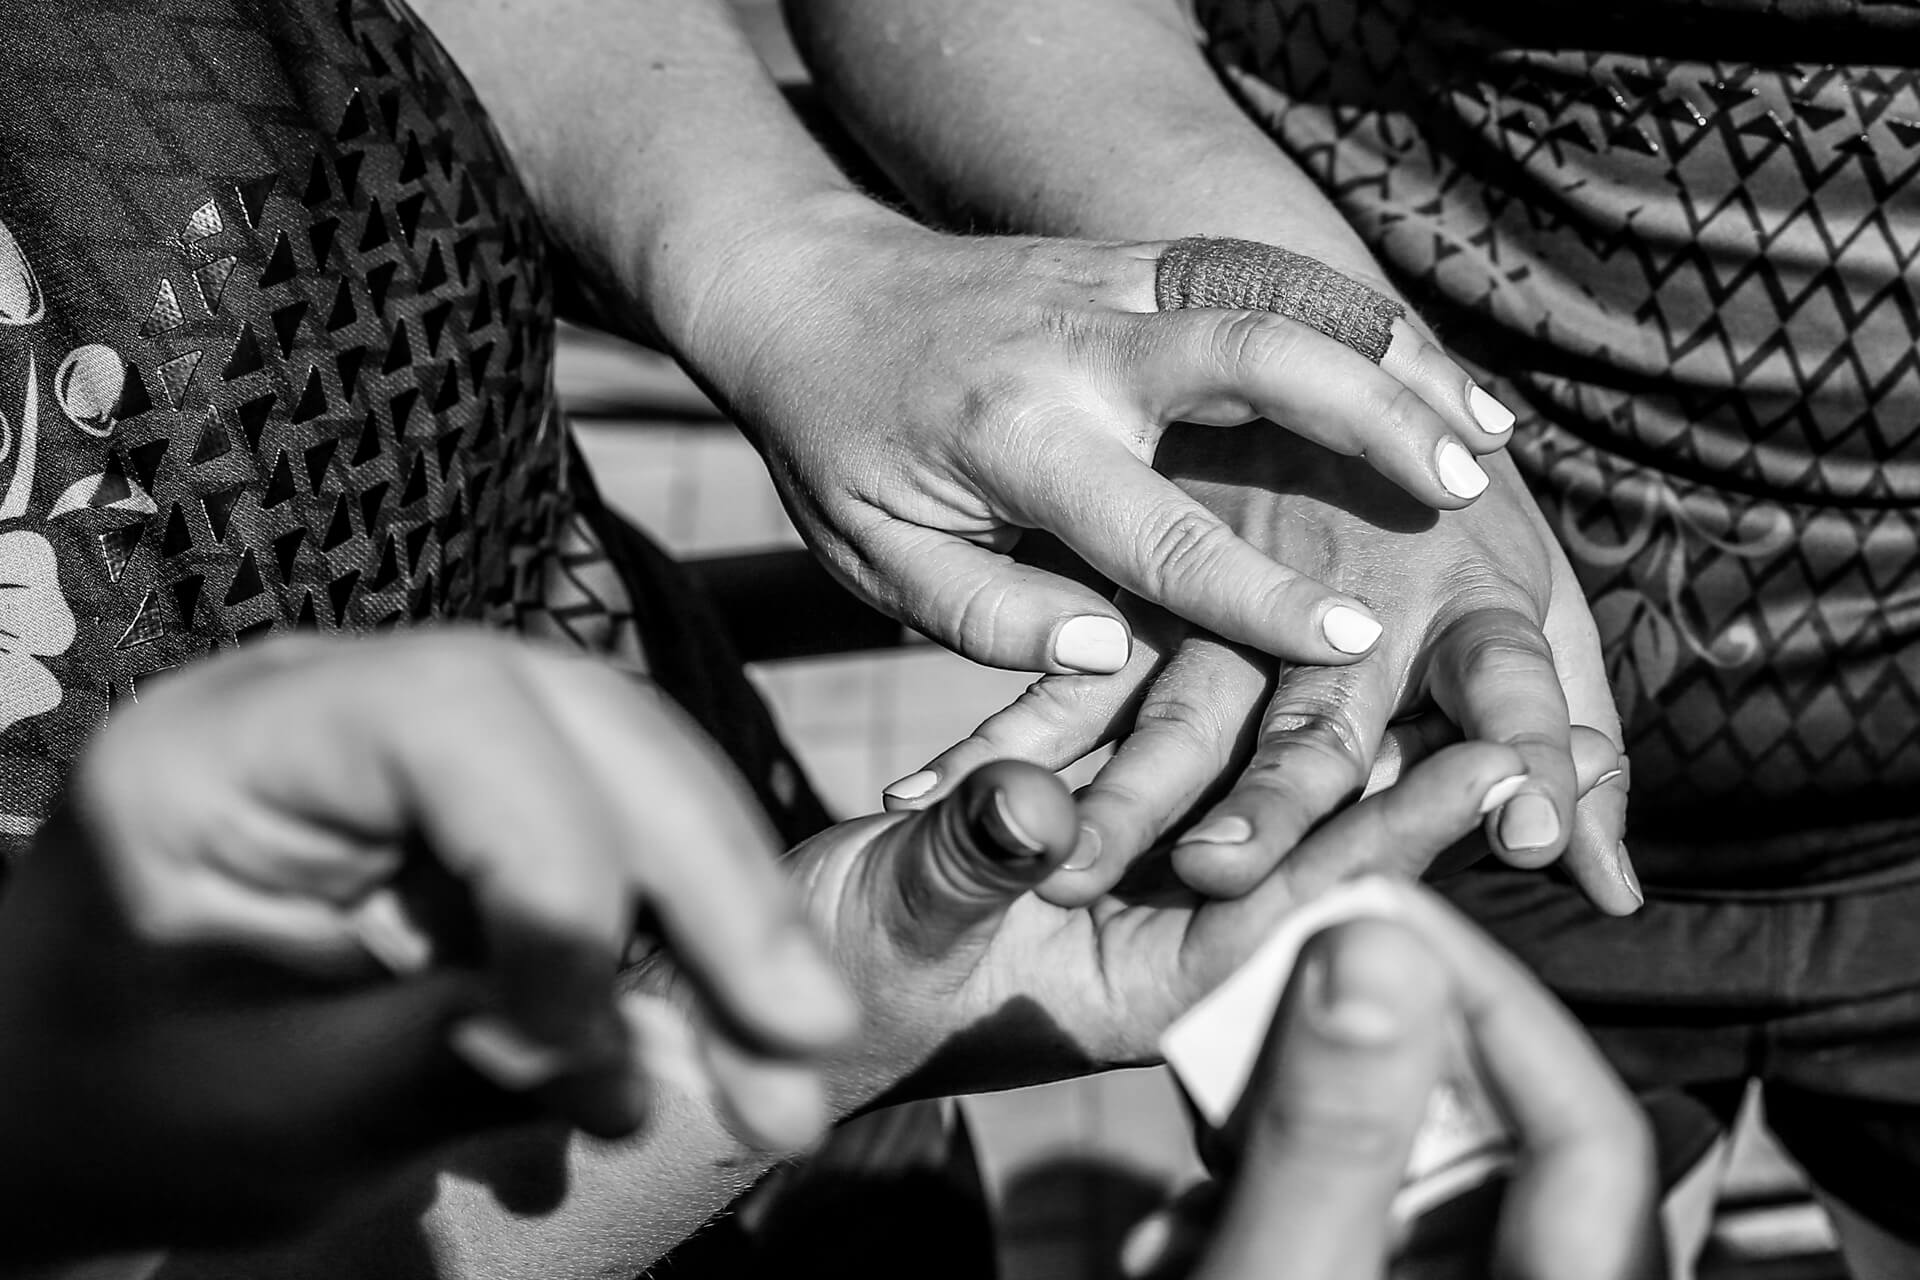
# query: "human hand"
[[297, 888], [969, 982], [1322, 1139], [922, 399], [1487, 634]]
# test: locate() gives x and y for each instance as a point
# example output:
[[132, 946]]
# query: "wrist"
[[716, 281]]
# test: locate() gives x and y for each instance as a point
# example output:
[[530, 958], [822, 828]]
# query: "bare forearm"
[[1068, 117], [651, 137]]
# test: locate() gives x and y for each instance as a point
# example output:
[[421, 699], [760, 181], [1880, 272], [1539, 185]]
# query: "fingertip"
[[1494, 419], [1079, 880], [1021, 811], [1091, 644], [1596, 760], [1377, 980], [1350, 628], [1459, 473], [911, 792]]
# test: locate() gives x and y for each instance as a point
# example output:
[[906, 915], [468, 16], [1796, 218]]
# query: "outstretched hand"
[[922, 399]]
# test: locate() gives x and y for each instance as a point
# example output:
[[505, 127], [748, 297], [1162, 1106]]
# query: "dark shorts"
[[1816, 997]]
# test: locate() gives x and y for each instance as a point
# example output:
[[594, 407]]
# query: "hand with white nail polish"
[[318, 907], [983, 387], [1233, 756]]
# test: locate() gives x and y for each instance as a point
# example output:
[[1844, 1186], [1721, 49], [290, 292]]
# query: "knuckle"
[[1329, 735], [976, 617], [1178, 719], [1255, 340], [1503, 642], [1180, 543], [1403, 414]]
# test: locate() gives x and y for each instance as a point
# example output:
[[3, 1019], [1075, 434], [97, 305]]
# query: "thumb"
[[1328, 1125], [959, 865]]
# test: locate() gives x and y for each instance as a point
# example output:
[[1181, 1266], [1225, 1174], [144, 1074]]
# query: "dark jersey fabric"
[[276, 341], [1679, 237]]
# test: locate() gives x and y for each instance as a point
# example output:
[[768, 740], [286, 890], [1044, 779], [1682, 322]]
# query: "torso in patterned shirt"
[[1681, 237], [275, 341]]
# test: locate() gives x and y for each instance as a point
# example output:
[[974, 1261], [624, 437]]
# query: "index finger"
[[690, 840], [1151, 537]]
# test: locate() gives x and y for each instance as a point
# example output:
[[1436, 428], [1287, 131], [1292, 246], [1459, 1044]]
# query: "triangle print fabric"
[[1681, 237], [275, 339]]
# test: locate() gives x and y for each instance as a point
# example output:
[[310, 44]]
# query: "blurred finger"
[[1329, 1122], [1193, 724], [1582, 1203], [959, 865], [694, 844], [1149, 536], [1313, 754]]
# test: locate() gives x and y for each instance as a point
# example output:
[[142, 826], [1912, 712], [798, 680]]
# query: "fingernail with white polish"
[[1091, 643], [1231, 829], [1349, 630], [1604, 779], [1460, 475], [1489, 414], [1501, 792], [1085, 853], [503, 1054], [913, 786]]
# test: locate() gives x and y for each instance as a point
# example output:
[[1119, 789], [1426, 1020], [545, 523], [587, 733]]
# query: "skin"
[[966, 981], [220, 1021], [923, 399], [1322, 1138], [966, 103], [289, 937]]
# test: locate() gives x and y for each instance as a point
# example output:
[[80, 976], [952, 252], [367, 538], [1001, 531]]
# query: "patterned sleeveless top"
[[1680, 237], [276, 339]]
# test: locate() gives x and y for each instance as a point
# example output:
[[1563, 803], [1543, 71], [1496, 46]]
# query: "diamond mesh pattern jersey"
[[276, 337], [1680, 237]]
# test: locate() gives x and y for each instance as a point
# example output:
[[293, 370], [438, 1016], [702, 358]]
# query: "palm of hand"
[[970, 982]]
